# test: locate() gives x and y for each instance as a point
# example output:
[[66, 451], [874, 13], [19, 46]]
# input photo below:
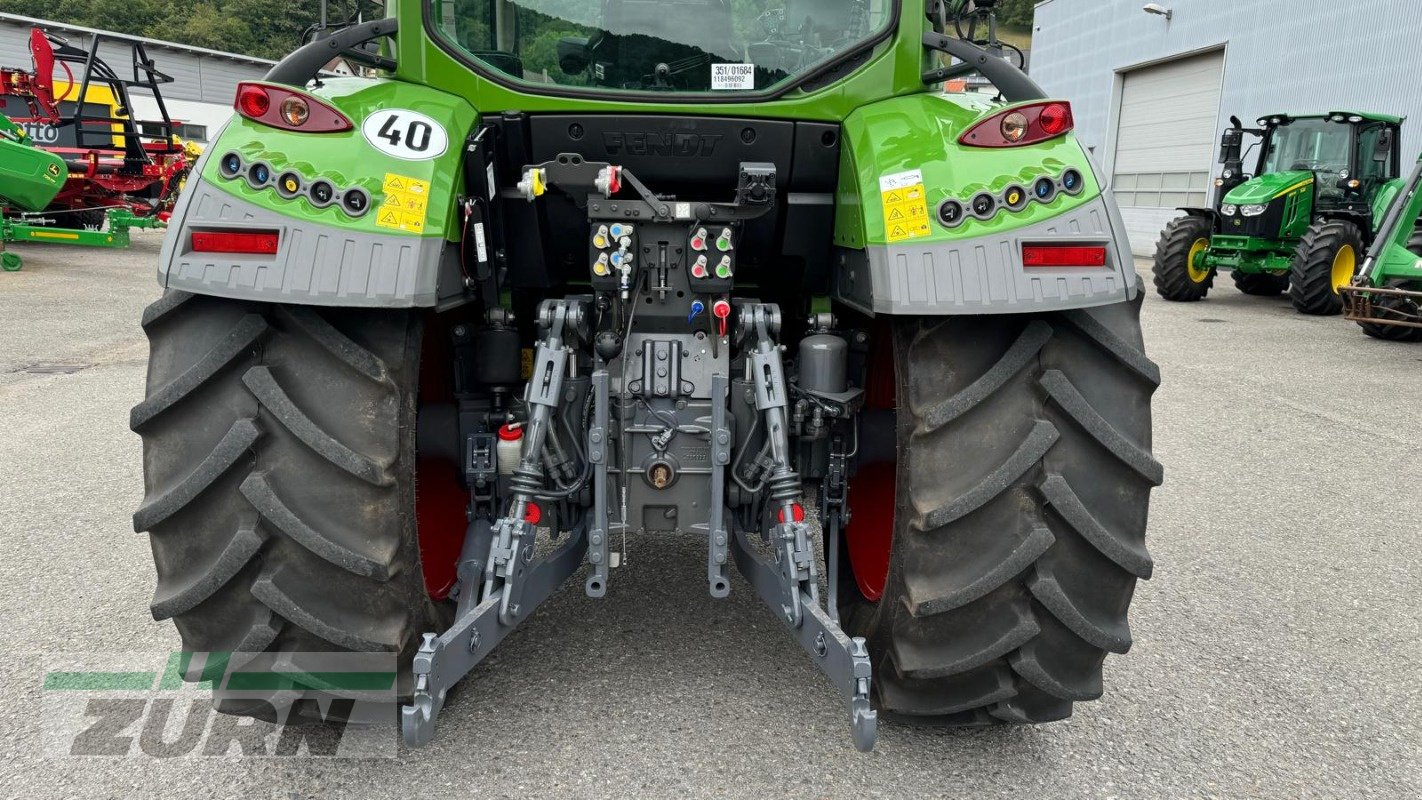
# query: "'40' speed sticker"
[[405, 134]]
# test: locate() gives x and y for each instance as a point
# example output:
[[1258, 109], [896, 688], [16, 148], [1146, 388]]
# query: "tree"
[[262, 28]]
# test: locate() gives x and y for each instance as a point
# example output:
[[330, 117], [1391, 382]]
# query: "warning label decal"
[[405, 205], [905, 205]]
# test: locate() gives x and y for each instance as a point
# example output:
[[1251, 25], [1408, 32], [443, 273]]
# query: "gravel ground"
[[1277, 648]]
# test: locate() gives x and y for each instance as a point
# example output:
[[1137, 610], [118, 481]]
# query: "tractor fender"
[[1363, 221], [913, 237], [397, 249], [1193, 211]]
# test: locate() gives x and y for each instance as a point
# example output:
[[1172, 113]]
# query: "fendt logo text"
[[685, 145]]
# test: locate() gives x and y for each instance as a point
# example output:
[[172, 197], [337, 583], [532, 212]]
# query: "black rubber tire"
[[1024, 478], [1171, 266], [1260, 284], [1311, 284], [278, 461], [1397, 333]]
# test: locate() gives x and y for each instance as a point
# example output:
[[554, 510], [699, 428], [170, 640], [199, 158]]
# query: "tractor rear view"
[[1300, 223], [436, 341]]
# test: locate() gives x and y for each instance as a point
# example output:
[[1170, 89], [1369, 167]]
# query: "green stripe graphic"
[[89, 681]]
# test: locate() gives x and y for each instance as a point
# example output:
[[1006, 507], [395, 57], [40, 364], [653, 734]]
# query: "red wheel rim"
[[869, 537], [439, 498], [439, 513]]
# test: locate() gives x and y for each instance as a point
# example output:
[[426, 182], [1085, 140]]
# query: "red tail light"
[[1020, 126], [287, 109], [260, 243], [1063, 255]]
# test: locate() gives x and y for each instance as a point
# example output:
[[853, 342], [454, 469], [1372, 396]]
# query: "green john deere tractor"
[[1385, 297], [569, 277], [1303, 220]]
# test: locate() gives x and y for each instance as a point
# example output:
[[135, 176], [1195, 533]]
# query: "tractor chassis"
[[501, 583], [1249, 254]]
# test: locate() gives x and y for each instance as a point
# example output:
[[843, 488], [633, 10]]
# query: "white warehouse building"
[[1152, 90]]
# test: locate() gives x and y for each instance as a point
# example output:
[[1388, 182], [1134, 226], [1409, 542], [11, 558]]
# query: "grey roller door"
[[1165, 142]]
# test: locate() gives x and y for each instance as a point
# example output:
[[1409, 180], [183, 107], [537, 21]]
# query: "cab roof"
[[1339, 116]]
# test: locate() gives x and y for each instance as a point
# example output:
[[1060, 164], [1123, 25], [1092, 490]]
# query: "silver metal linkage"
[[791, 586], [717, 537], [513, 583], [598, 444]]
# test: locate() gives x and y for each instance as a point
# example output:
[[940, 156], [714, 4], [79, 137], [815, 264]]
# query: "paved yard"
[[1277, 648]]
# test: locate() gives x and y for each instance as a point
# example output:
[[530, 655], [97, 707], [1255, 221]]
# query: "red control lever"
[[721, 309]]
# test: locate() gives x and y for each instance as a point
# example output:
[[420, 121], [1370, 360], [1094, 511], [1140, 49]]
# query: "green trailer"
[[1300, 223], [569, 278], [1385, 297]]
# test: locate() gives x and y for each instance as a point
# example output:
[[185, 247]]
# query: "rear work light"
[[259, 243], [290, 110], [1063, 255], [1020, 126]]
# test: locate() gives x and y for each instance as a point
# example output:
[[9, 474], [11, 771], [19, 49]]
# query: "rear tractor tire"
[[1011, 531], [1176, 275], [1260, 284], [278, 459], [1325, 260]]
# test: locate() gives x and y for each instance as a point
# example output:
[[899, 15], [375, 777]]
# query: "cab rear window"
[[676, 46]]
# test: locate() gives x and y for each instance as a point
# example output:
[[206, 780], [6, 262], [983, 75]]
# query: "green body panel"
[[1382, 201], [1390, 260], [920, 132], [346, 159], [29, 177], [1254, 254], [1262, 189]]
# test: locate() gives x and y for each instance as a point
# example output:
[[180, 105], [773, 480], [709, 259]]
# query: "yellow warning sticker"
[[406, 202], [905, 205], [405, 205]]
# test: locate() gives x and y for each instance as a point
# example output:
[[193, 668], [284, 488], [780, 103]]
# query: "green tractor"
[[1385, 297], [1303, 220], [569, 280]]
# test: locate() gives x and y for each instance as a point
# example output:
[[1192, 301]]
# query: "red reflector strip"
[[262, 243], [1058, 255]]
